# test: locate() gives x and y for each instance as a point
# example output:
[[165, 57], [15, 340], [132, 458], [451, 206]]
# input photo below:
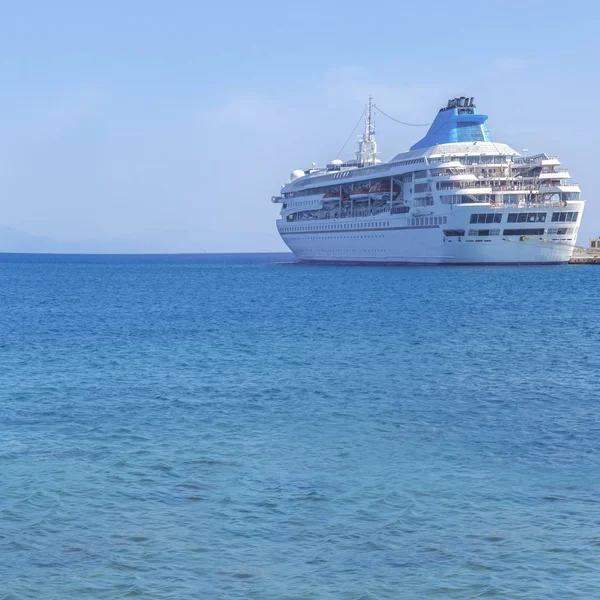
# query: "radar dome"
[[337, 162], [296, 174]]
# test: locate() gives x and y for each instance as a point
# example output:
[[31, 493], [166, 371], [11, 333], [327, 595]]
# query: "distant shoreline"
[[142, 253]]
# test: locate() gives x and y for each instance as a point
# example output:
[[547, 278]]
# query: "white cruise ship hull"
[[392, 239], [400, 251]]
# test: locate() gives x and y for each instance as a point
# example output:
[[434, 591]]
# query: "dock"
[[585, 256]]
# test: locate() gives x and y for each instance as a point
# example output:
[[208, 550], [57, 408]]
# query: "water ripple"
[[231, 428]]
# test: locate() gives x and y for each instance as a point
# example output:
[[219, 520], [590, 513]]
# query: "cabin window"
[[483, 232], [564, 216], [486, 218], [523, 232], [526, 217]]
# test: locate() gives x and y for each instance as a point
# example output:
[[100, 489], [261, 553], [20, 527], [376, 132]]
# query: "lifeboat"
[[332, 194], [383, 191], [360, 193]]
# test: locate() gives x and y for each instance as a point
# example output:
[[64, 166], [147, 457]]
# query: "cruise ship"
[[456, 197]]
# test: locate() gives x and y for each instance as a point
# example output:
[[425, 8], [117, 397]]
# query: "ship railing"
[[504, 186], [538, 205], [453, 171], [349, 214]]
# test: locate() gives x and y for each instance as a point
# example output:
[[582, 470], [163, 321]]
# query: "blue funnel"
[[457, 122]]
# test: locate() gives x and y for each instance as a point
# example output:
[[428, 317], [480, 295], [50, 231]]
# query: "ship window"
[[454, 232], [570, 195], [488, 218], [468, 132], [523, 232], [420, 175], [525, 218]]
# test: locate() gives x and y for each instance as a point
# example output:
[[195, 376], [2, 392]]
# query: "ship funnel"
[[459, 121]]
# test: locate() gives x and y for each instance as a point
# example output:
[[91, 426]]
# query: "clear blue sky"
[[167, 126]]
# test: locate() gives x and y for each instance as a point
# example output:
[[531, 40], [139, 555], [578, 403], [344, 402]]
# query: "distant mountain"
[[147, 242], [12, 240]]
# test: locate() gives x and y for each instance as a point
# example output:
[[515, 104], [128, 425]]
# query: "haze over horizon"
[[143, 127]]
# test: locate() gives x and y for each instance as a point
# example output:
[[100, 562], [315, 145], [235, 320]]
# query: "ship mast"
[[367, 146]]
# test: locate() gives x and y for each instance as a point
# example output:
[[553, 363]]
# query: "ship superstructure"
[[456, 197]]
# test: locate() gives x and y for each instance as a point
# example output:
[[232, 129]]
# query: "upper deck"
[[453, 164]]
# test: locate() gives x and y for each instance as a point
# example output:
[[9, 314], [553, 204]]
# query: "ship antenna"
[[367, 147], [370, 122]]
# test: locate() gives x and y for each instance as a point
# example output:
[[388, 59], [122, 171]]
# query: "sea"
[[245, 427]]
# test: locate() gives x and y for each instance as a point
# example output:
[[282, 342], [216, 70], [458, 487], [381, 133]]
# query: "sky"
[[167, 126]]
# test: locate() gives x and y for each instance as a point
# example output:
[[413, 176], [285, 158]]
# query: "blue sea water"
[[234, 427]]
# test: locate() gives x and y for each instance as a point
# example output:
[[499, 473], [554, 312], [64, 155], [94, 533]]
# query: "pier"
[[587, 256]]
